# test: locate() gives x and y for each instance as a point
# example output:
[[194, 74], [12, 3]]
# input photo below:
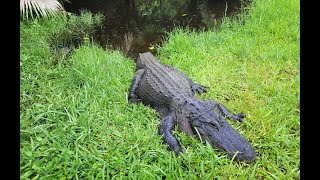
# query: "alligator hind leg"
[[132, 97], [165, 130], [196, 88], [224, 111]]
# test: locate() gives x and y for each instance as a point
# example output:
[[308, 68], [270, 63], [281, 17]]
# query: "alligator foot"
[[238, 117], [133, 101], [197, 88]]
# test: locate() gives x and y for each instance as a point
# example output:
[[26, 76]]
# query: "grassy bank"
[[75, 122]]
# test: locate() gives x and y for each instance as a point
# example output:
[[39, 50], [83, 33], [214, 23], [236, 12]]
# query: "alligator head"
[[212, 127]]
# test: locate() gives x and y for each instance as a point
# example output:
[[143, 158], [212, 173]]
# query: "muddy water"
[[135, 26]]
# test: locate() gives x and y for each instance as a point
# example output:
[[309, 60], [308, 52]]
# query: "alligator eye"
[[213, 124]]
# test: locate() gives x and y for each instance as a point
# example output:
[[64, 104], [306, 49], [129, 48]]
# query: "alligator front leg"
[[224, 111], [132, 97], [165, 130], [196, 88]]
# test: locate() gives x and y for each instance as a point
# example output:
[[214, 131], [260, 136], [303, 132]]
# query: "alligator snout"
[[225, 138], [248, 155]]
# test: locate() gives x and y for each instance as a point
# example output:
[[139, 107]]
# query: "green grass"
[[76, 124]]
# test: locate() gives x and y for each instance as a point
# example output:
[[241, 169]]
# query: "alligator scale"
[[171, 94]]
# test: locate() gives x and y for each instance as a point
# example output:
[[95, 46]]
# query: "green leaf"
[[28, 153], [36, 177]]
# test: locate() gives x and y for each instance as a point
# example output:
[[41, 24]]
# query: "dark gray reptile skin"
[[171, 93]]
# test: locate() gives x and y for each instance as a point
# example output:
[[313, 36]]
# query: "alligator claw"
[[199, 89], [133, 101], [238, 117], [177, 152]]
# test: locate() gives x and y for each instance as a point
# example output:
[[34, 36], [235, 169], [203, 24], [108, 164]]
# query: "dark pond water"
[[136, 25]]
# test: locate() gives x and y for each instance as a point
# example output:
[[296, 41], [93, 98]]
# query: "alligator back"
[[160, 85]]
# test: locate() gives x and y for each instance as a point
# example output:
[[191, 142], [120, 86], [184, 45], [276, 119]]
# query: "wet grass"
[[76, 124]]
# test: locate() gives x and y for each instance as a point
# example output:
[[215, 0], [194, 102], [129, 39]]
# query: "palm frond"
[[40, 8]]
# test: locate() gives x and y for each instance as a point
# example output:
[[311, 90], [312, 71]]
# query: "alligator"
[[172, 94]]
